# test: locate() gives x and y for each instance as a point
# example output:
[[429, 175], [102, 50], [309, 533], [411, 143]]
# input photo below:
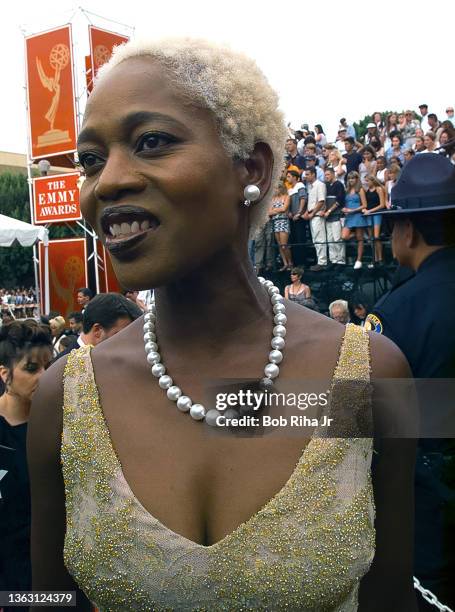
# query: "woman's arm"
[[286, 292], [47, 490], [307, 291], [388, 585], [363, 200]]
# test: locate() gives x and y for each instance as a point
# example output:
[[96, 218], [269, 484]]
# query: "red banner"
[[102, 43], [56, 198], [67, 273], [51, 95], [108, 280]]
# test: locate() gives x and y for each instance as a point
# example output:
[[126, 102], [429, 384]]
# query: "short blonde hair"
[[231, 86]]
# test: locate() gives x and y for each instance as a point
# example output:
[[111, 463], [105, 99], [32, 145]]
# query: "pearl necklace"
[[184, 403]]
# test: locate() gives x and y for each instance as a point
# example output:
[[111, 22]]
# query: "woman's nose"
[[119, 176]]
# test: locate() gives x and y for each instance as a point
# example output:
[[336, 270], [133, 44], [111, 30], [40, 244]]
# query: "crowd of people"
[[17, 303], [330, 192]]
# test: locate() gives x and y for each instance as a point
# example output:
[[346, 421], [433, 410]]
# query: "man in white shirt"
[[342, 135], [315, 215], [423, 108]]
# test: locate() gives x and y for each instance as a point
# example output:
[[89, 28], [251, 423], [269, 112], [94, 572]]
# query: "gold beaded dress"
[[306, 549]]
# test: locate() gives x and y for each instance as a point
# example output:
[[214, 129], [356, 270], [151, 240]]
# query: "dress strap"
[[354, 361], [78, 381]]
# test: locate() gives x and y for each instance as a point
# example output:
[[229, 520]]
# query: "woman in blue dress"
[[355, 222]]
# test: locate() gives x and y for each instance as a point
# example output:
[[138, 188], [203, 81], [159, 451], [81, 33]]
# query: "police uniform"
[[418, 314]]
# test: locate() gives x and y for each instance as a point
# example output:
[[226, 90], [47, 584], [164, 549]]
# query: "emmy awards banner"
[[67, 272], [107, 278], [51, 96], [56, 198], [102, 43]]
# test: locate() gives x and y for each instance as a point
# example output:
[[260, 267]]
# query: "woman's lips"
[[125, 225]]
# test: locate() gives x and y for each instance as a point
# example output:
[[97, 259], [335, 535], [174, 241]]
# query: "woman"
[[297, 291], [25, 352], [334, 161], [368, 165], [396, 149], [393, 174], [390, 127], [281, 225], [429, 140], [375, 196], [321, 138], [186, 138], [355, 222], [381, 169], [57, 325]]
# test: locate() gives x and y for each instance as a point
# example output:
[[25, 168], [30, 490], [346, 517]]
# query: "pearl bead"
[[261, 279], [271, 370], [197, 411], [150, 346], [280, 319], [158, 370], [279, 330], [266, 384], [251, 193], [278, 343], [184, 403], [165, 381], [174, 393], [149, 327], [149, 337], [277, 308], [149, 316], [268, 284], [211, 417], [276, 297], [231, 413], [275, 356], [153, 357], [273, 291], [152, 308]]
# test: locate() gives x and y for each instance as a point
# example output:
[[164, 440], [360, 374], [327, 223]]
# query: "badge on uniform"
[[373, 323]]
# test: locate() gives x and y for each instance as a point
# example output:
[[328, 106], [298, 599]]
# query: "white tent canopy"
[[25, 233]]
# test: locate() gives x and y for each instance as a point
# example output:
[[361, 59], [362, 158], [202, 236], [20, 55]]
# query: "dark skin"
[[195, 484]]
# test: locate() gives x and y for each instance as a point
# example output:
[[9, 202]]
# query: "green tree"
[[16, 262]]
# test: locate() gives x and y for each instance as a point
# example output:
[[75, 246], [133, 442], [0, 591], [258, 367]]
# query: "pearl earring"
[[251, 193]]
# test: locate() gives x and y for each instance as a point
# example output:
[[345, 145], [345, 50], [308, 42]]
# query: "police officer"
[[419, 316]]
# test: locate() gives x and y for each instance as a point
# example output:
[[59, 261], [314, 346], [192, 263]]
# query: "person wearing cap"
[[418, 316], [423, 108], [371, 132], [311, 162], [339, 143], [450, 115], [350, 129]]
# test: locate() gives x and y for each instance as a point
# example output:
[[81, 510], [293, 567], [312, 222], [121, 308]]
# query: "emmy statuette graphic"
[[101, 55], [58, 59]]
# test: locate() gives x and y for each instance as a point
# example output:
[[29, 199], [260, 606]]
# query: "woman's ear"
[[4, 374], [256, 170]]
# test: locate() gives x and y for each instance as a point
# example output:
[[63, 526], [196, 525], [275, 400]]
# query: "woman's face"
[[27, 372], [367, 156], [393, 119], [427, 142], [295, 277], [54, 328], [380, 164], [333, 157], [160, 190], [395, 142], [370, 183], [444, 138], [377, 118]]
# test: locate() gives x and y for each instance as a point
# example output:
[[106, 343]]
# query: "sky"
[[325, 59]]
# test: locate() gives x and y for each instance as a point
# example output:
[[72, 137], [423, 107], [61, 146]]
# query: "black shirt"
[[337, 190], [353, 161]]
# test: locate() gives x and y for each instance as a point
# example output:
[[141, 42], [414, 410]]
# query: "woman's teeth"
[[126, 229]]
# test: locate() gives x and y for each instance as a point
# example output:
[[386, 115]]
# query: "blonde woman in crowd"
[[393, 175], [355, 222], [334, 161], [375, 196]]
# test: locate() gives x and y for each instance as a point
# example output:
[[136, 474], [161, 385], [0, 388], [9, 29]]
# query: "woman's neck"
[[214, 303], [14, 409]]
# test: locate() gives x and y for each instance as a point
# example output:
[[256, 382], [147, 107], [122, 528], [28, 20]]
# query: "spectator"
[[375, 195], [264, 249], [419, 145], [297, 291], [57, 325], [335, 162], [372, 132], [321, 138], [311, 150], [292, 155], [379, 123], [339, 311], [368, 165], [393, 173], [299, 227], [450, 115], [390, 127], [429, 140], [355, 222], [75, 322], [360, 312], [335, 200], [408, 155], [408, 131], [423, 108], [433, 123], [84, 295], [339, 144], [315, 215], [381, 169], [350, 129], [311, 162], [281, 224], [352, 158], [396, 150]]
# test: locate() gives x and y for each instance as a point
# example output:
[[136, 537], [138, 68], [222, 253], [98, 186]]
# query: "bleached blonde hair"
[[231, 86]]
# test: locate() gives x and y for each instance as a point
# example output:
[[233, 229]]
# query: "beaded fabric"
[[306, 549]]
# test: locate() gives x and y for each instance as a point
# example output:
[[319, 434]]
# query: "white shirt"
[[424, 124], [316, 193]]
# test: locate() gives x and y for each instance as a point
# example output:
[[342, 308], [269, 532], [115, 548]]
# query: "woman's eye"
[[89, 160], [151, 142]]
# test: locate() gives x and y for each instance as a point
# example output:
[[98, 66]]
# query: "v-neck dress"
[[306, 549]]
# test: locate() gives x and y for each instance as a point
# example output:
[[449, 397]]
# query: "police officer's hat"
[[427, 184]]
